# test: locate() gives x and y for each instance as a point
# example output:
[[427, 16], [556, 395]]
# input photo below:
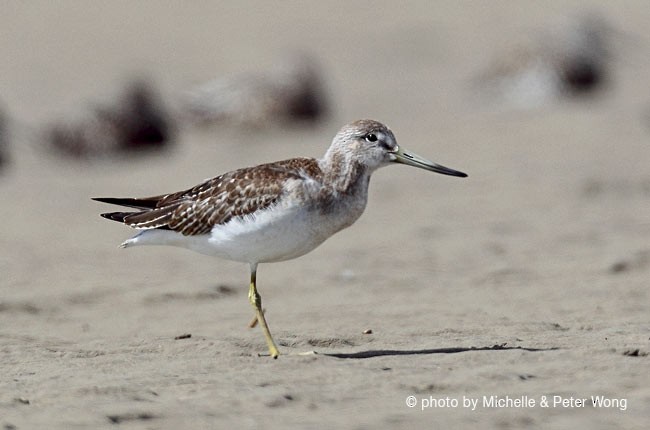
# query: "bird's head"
[[373, 145]]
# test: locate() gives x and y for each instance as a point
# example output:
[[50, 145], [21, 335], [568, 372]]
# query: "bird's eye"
[[371, 137]]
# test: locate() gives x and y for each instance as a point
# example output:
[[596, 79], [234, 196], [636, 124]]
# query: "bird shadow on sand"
[[393, 352]]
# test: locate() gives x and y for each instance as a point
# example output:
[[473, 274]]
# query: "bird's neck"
[[344, 175]]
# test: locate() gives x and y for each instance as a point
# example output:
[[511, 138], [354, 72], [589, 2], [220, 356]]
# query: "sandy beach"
[[515, 298]]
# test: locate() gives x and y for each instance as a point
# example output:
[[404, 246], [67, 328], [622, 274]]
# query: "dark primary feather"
[[216, 201], [137, 203], [120, 216]]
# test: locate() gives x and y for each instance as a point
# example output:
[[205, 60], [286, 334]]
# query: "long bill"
[[411, 159]]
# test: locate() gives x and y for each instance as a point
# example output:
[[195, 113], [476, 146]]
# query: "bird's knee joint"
[[255, 299]]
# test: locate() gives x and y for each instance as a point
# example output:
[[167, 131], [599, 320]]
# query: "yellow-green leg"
[[256, 301]]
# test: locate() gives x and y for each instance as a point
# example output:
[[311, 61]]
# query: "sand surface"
[[529, 279]]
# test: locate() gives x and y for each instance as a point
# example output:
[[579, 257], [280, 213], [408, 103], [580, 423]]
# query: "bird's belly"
[[274, 235]]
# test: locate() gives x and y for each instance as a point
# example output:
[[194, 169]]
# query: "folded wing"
[[216, 201]]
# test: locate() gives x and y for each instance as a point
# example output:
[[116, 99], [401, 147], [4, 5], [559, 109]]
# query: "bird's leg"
[[256, 301], [253, 321]]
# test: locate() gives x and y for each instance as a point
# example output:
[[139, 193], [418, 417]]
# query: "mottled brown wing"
[[217, 200]]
